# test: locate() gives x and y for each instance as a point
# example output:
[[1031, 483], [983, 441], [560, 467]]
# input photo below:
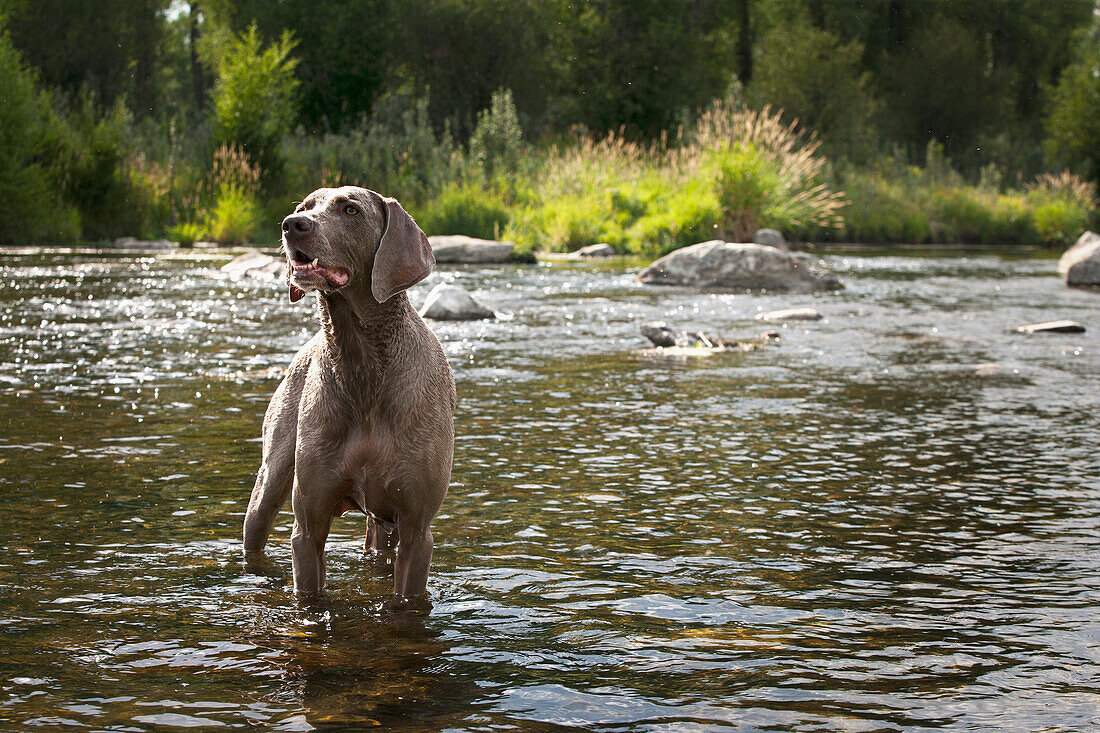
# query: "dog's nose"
[[297, 225]]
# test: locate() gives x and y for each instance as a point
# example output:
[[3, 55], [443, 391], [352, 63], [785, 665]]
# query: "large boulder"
[[452, 303], [730, 266], [456, 249], [1080, 265]]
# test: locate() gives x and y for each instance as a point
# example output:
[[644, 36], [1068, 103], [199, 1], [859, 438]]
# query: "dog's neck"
[[359, 332]]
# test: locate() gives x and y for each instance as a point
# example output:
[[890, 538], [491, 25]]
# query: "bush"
[[394, 151], [234, 218], [468, 210], [766, 173], [116, 191], [32, 142], [497, 142], [186, 233], [254, 98], [735, 170], [1064, 206]]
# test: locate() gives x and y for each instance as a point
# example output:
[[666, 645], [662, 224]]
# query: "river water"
[[890, 520]]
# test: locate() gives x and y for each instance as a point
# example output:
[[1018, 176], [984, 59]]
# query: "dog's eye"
[[351, 210]]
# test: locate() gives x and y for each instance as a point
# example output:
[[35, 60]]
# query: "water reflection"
[[889, 520]]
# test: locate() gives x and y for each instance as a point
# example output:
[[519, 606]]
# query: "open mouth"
[[311, 271]]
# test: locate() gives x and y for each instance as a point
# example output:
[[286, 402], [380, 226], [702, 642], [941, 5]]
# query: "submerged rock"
[[1080, 264], [790, 314], [255, 264], [770, 238], [665, 337], [602, 249], [452, 303], [460, 249], [1051, 327], [731, 266]]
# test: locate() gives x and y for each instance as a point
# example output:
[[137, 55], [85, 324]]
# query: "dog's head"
[[345, 235]]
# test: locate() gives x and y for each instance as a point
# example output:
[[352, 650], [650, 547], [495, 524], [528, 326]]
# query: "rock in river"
[[1080, 264], [790, 314], [1051, 327], [602, 249], [458, 249], [135, 243], [664, 336], [770, 238], [255, 264], [452, 303], [731, 266]]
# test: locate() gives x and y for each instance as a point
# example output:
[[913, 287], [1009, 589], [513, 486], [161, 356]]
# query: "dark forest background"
[[204, 119]]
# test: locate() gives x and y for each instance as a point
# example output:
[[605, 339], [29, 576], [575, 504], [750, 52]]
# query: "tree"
[[255, 97], [1073, 125], [641, 63], [109, 47], [814, 77], [31, 148]]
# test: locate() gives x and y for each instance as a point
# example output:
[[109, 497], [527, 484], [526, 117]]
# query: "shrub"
[[766, 172], [1064, 206], [234, 217], [464, 209], [254, 97], [32, 142], [497, 142], [733, 171], [881, 210], [394, 151]]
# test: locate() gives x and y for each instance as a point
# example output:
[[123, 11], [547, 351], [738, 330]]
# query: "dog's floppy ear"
[[404, 256]]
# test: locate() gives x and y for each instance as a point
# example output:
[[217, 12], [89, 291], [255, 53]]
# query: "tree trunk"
[[744, 43], [197, 83]]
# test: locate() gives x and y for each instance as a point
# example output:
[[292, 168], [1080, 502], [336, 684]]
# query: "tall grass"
[[735, 170], [933, 205]]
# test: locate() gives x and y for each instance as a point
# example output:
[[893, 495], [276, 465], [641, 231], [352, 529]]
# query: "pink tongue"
[[335, 276]]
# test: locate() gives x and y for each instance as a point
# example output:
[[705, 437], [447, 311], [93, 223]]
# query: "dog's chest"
[[369, 455]]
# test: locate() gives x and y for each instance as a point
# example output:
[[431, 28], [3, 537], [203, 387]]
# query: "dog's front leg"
[[313, 516]]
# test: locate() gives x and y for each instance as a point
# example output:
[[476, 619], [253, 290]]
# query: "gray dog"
[[364, 418]]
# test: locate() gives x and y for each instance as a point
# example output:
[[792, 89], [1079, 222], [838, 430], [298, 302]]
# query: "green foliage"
[[818, 80], [111, 50], [115, 194], [940, 86], [185, 232], [497, 142], [255, 97], [464, 209], [736, 170], [1073, 126], [394, 151], [1064, 206], [912, 206], [765, 172], [31, 143], [234, 217]]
